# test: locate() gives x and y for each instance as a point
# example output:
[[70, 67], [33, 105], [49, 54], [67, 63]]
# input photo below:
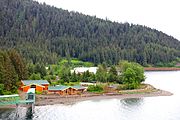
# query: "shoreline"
[[161, 69], [53, 99], [42, 100]]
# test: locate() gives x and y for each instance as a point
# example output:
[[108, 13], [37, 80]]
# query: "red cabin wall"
[[46, 86], [26, 88]]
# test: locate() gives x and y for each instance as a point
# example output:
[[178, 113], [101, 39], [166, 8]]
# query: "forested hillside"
[[42, 33]]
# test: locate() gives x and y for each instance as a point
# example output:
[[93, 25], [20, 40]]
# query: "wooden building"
[[39, 85], [66, 90]]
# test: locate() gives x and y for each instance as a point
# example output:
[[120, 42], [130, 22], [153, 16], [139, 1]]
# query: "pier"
[[6, 100]]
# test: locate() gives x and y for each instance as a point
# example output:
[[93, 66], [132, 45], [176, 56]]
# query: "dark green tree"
[[101, 74], [113, 75], [35, 76], [1, 89], [65, 74], [19, 64], [40, 68], [8, 74]]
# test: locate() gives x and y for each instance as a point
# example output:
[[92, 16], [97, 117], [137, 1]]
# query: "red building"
[[39, 85]]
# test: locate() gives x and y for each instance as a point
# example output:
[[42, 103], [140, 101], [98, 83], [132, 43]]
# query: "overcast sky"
[[163, 15]]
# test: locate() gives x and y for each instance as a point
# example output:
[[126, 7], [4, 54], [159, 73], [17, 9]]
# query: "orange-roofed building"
[[39, 85]]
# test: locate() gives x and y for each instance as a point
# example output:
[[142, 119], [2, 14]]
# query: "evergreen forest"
[[43, 34]]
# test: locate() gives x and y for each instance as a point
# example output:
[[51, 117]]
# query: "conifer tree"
[[19, 65]]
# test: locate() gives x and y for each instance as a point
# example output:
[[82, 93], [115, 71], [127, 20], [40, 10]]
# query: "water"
[[149, 108]]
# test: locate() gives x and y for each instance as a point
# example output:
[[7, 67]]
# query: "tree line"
[[42, 34], [12, 70], [129, 74]]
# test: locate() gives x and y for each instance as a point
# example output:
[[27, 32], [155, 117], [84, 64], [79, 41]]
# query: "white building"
[[84, 69]]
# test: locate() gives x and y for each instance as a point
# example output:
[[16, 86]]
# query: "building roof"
[[31, 90], [60, 87], [78, 87], [33, 84], [40, 82], [84, 69]]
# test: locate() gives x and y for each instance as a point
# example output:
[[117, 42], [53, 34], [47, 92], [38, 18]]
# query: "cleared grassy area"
[[76, 63], [143, 89]]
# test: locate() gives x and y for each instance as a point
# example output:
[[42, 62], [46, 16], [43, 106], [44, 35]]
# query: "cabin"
[[39, 85], [62, 90], [79, 89], [66, 90]]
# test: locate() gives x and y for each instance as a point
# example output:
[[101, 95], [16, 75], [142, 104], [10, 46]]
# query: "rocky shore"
[[149, 91]]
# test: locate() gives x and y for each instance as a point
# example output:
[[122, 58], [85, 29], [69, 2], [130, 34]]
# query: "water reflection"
[[29, 114], [132, 102], [18, 113], [5, 112]]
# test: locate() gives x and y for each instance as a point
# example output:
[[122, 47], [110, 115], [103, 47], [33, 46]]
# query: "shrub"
[[122, 87], [128, 86], [38, 92], [44, 92], [132, 86], [95, 88], [7, 92]]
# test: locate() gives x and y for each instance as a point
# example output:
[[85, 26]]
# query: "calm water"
[[150, 108]]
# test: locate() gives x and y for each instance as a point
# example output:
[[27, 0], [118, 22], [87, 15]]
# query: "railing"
[[13, 99]]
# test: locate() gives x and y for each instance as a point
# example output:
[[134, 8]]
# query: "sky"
[[163, 15]]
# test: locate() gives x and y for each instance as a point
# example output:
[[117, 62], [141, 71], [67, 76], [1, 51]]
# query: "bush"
[[1, 88], [70, 83], [132, 86], [128, 86], [95, 88], [38, 92], [35, 76], [132, 74], [45, 92], [122, 87], [7, 92], [54, 83]]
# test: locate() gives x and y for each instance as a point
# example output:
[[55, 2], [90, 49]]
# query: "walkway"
[[13, 99]]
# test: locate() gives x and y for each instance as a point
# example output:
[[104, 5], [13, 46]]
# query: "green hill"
[[43, 33]]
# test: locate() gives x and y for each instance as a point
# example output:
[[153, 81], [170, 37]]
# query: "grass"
[[10, 99], [75, 63], [95, 88], [71, 83], [143, 89], [38, 92]]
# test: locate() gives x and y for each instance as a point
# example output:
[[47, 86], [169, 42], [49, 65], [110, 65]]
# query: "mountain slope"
[[42, 33]]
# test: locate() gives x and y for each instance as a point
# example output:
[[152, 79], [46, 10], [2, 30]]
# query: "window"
[[30, 97]]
